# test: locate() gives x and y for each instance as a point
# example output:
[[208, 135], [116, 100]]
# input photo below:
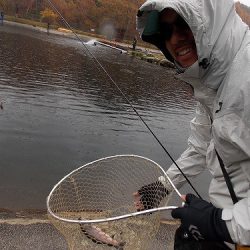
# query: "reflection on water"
[[60, 111]]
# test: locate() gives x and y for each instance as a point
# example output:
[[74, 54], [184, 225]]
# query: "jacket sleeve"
[[193, 159], [237, 221]]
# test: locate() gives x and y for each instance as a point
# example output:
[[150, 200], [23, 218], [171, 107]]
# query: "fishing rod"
[[93, 57]]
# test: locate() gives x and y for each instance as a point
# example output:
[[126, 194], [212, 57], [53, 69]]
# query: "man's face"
[[179, 38]]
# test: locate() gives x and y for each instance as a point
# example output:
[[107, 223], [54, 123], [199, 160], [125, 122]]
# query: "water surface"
[[60, 111]]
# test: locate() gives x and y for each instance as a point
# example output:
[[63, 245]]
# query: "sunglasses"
[[167, 29]]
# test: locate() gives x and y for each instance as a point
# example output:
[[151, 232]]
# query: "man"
[[134, 43], [2, 17], [210, 47]]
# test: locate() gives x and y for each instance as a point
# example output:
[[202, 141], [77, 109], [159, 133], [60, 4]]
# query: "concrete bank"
[[30, 234], [28, 230], [37, 234], [31, 230]]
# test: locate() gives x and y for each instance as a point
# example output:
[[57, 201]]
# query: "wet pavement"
[[34, 235], [27, 230]]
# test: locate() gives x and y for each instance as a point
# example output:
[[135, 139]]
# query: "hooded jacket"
[[221, 82]]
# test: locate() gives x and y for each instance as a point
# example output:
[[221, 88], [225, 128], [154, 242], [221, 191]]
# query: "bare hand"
[[137, 202]]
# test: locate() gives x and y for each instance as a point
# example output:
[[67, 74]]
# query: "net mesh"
[[104, 189]]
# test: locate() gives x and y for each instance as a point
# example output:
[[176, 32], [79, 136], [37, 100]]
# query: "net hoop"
[[115, 218]]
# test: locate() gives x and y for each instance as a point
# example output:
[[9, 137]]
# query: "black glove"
[[152, 194], [201, 220]]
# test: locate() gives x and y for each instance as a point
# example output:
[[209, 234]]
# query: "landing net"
[[88, 205]]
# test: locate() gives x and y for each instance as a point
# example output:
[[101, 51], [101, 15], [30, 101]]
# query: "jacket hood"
[[218, 32]]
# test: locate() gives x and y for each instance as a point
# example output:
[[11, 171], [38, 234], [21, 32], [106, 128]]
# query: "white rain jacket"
[[221, 81]]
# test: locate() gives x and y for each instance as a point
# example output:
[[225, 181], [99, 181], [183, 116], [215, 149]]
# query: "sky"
[[246, 2]]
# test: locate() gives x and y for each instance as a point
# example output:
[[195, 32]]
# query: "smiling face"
[[179, 39]]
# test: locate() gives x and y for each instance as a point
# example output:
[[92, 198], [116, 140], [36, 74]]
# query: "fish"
[[98, 236]]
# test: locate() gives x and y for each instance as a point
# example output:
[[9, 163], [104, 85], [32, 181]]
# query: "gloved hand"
[[201, 220], [150, 195]]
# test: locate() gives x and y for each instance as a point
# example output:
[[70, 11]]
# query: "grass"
[[29, 22]]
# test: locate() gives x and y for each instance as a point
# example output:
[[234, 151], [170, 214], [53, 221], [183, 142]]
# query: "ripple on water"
[[60, 111]]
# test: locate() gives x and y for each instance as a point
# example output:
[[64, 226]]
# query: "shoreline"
[[30, 216], [150, 55], [22, 214]]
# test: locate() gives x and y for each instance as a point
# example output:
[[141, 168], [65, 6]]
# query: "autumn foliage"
[[244, 12], [112, 18], [48, 16]]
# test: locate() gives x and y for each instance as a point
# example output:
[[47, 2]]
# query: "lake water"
[[60, 112]]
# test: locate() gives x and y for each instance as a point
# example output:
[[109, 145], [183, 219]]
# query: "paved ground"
[[33, 235], [31, 230], [28, 230]]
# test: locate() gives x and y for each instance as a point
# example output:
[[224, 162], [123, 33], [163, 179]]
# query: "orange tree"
[[48, 16]]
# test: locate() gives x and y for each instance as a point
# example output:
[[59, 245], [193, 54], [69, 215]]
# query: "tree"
[[82, 14], [48, 16], [3, 4], [244, 12]]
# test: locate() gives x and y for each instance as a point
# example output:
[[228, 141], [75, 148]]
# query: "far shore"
[[146, 54]]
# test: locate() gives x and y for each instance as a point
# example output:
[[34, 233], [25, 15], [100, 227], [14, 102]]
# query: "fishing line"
[[93, 57]]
